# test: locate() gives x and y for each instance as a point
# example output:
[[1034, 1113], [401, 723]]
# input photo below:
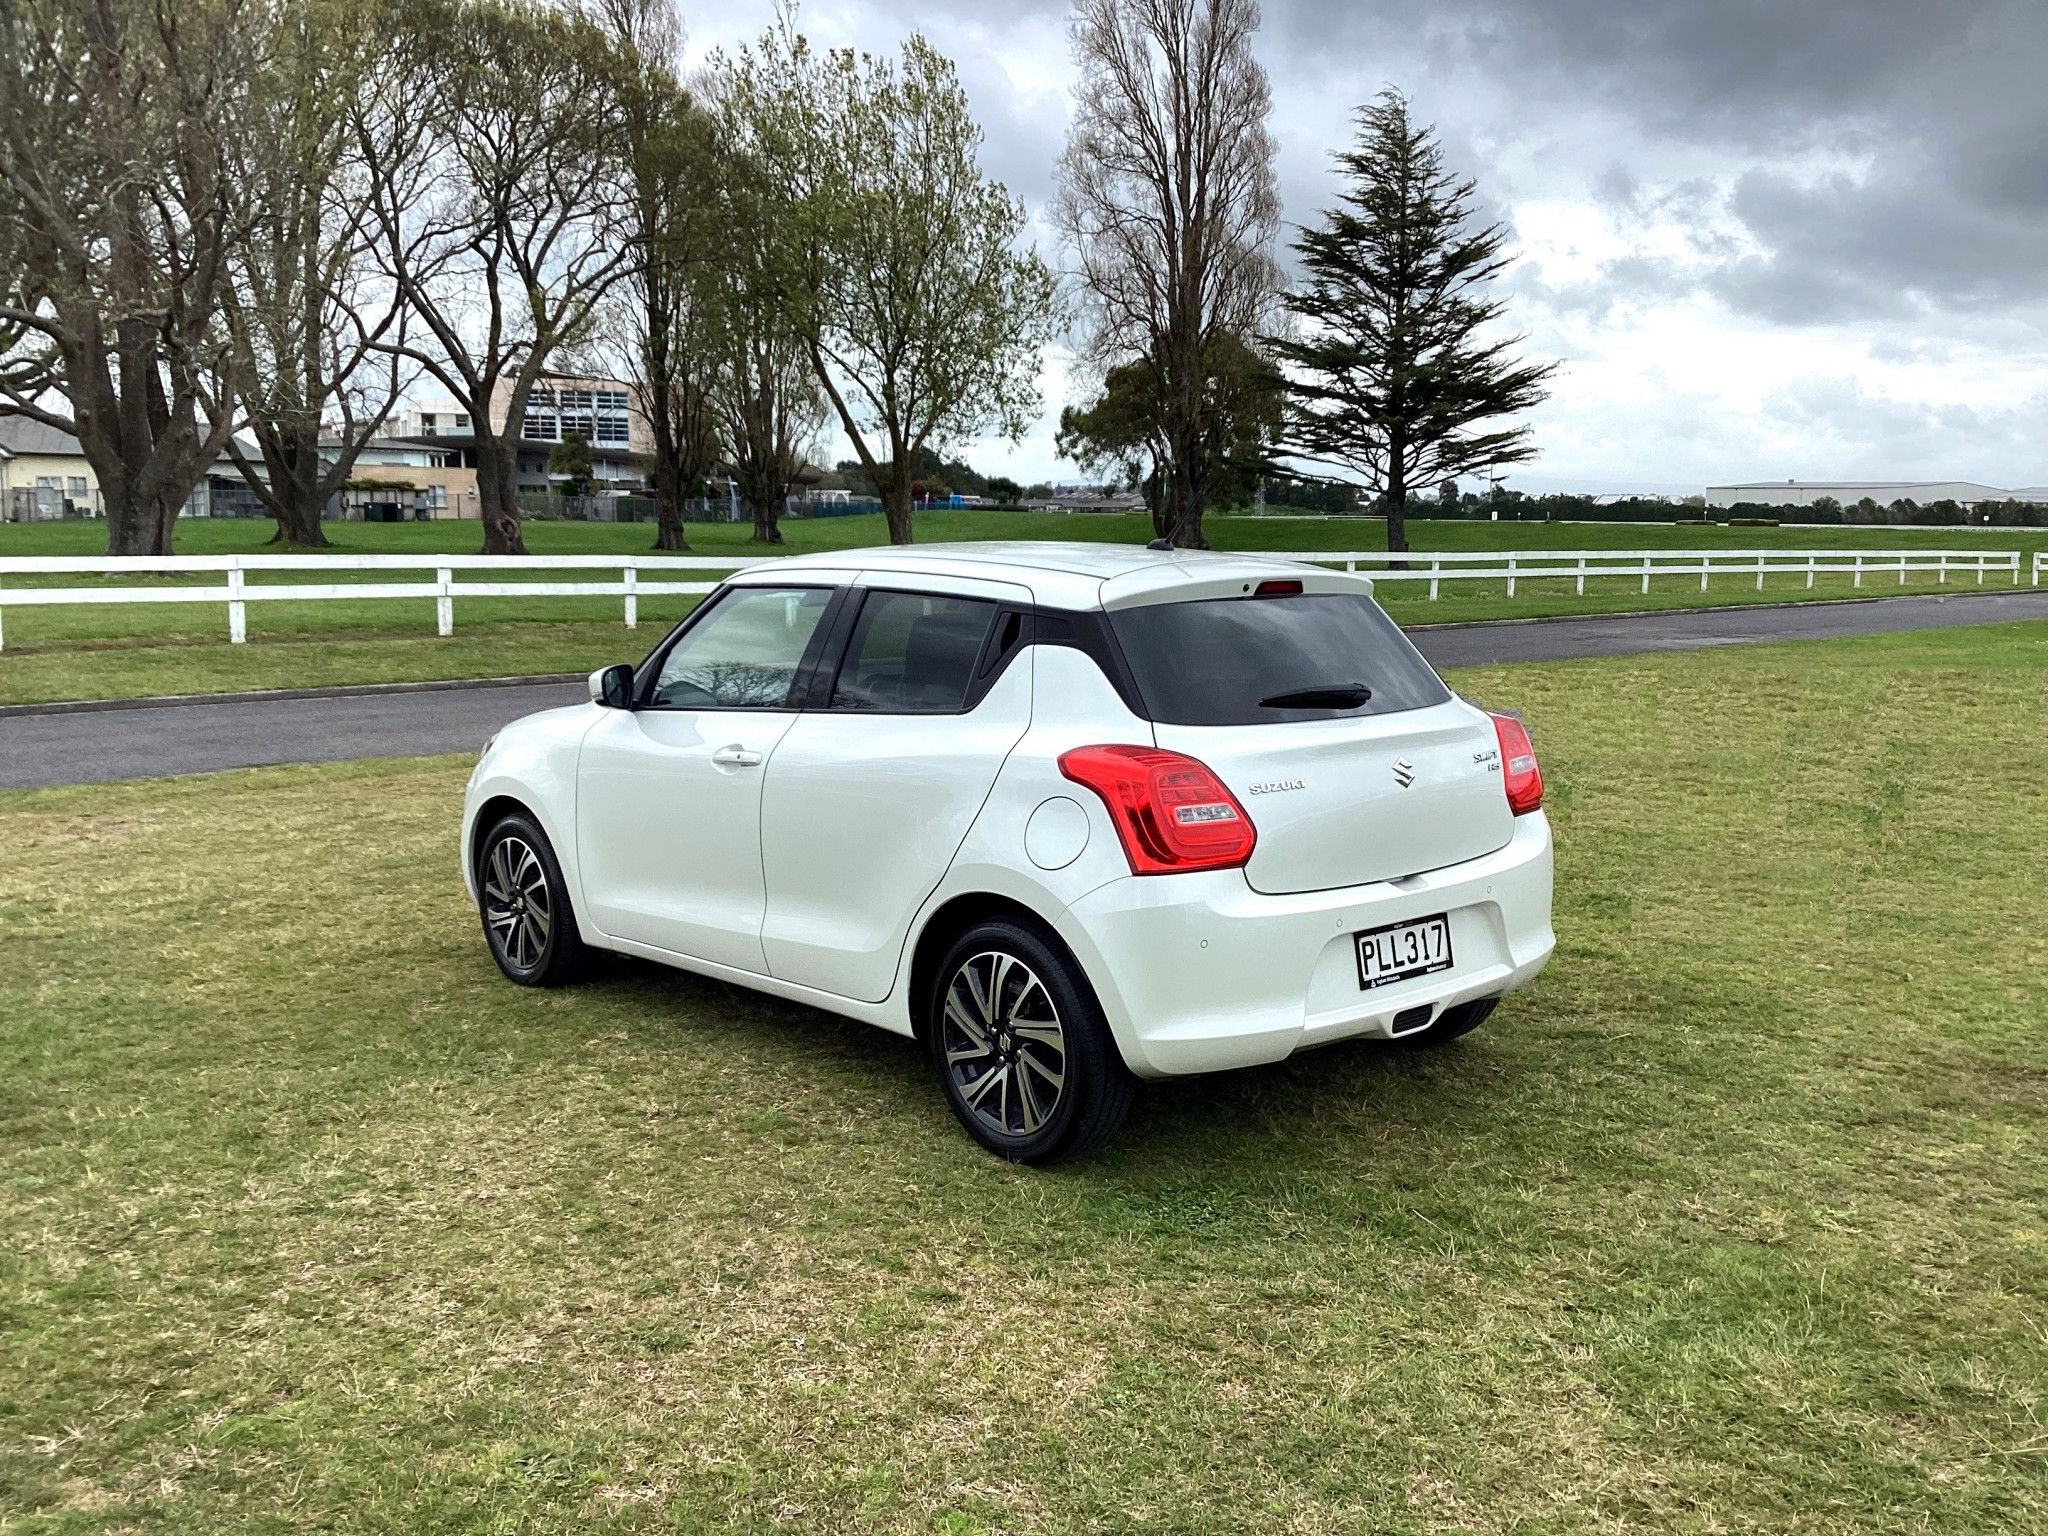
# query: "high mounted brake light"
[[1171, 813], [1277, 589], [1523, 779]]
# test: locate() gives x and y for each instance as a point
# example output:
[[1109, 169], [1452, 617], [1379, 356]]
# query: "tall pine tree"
[[1391, 375]]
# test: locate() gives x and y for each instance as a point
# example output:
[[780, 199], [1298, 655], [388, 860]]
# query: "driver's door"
[[668, 804]]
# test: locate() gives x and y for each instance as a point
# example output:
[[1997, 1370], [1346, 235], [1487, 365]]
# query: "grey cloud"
[[1940, 105]]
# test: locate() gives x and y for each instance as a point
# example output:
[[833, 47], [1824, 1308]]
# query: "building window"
[[541, 425], [78, 487], [614, 425]]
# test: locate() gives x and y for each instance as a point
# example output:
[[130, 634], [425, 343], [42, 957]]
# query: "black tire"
[[1458, 1019], [528, 921], [1023, 1015]]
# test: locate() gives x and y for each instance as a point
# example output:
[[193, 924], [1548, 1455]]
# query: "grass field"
[[1732, 1223], [123, 651]]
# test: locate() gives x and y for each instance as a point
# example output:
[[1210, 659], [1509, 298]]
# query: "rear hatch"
[[1353, 760]]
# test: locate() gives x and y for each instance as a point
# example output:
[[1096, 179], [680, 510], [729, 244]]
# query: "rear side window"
[[912, 653], [1220, 662]]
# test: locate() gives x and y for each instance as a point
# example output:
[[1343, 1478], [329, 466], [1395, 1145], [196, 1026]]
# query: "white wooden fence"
[[631, 577], [1576, 565]]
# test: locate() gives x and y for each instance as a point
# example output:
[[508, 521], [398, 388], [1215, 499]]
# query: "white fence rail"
[[1576, 565], [636, 576], [630, 578]]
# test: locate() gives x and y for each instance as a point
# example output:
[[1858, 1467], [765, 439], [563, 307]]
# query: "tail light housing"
[[1523, 779], [1172, 814]]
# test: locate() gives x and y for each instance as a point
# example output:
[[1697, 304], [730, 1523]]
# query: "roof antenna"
[[1174, 532]]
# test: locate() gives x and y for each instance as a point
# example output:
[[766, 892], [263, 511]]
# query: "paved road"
[[93, 746]]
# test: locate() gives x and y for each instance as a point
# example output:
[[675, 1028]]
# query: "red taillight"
[[1518, 765], [1172, 813], [1277, 589]]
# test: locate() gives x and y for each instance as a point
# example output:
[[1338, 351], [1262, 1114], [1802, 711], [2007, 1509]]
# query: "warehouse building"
[[1804, 493]]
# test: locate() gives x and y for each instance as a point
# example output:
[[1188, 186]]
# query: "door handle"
[[736, 756]]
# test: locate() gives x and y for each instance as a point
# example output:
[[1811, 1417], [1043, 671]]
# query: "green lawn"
[[1733, 1223], [118, 651]]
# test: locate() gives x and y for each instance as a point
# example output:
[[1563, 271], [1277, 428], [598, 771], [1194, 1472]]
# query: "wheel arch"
[[488, 814], [947, 922]]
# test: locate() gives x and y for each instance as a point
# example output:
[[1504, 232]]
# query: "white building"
[[1804, 493]]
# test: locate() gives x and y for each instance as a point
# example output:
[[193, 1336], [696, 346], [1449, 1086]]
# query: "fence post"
[[1809, 573], [1902, 570], [444, 602], [1759, 570], [1436, 572], [3, 631], [1646, 575], [1582, 575], [1511, 575], [1980, 570], [632, 595], [1706, 564], [1944, 569], [1859, 570], [238, 611]]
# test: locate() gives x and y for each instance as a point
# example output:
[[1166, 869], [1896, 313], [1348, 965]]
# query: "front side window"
[[745, 653], [1268, 660], [912, 653]]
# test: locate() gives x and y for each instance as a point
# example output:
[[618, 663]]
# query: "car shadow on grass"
[[1364, 1095]]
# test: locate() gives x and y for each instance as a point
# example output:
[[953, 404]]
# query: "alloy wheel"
[[517, 907], [1005, 1049]]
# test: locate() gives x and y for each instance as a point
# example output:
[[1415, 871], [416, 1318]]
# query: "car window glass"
[[1229, 661], [744, 654], [912, 653]]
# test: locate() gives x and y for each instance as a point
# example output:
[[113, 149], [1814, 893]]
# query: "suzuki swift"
[[1069, 815]]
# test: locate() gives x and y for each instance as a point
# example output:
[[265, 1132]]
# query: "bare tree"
[[304, 321], [500, 193], [1168, 198], [115, 226]]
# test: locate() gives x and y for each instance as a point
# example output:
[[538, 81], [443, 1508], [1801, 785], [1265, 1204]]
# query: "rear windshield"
[[1218, 662]]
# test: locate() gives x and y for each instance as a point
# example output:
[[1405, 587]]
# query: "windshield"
[[1266, 660]]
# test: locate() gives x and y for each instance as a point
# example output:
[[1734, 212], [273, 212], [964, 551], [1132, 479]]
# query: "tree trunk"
[[896, 508], [295, 500], [767, 519], [668, 496], [497, 492], [298, 525]]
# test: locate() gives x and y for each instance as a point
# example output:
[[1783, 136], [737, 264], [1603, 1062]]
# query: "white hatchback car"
[[1066, 813]]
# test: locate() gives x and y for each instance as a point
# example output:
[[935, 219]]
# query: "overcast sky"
[[1766, 238]]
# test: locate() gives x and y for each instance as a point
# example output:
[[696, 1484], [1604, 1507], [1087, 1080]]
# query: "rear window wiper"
[[1328, 696]]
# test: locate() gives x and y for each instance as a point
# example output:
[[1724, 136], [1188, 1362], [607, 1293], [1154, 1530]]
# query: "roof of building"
[[1065, 575], [1850, 485], [21, 435]]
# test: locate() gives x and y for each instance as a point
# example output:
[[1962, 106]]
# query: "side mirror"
[[612, 687]]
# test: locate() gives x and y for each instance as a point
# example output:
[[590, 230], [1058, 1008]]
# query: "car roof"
[[1065, 575]]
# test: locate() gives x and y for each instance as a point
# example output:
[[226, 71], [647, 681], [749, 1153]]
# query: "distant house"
[[400, 479], [43, 475], [1804, 493]]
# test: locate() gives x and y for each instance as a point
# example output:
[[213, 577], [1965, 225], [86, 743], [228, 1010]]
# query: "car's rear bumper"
[[1199, 973]]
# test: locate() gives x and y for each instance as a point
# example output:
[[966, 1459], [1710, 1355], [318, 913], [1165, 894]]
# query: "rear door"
[[868, 798], [1352, 758]]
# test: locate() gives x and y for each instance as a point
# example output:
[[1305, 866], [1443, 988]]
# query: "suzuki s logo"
[[1404, 772]]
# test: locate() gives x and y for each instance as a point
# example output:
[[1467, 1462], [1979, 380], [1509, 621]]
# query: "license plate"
[[1401, 950]]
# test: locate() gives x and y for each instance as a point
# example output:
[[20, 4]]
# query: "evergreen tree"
[[1391, 376]]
